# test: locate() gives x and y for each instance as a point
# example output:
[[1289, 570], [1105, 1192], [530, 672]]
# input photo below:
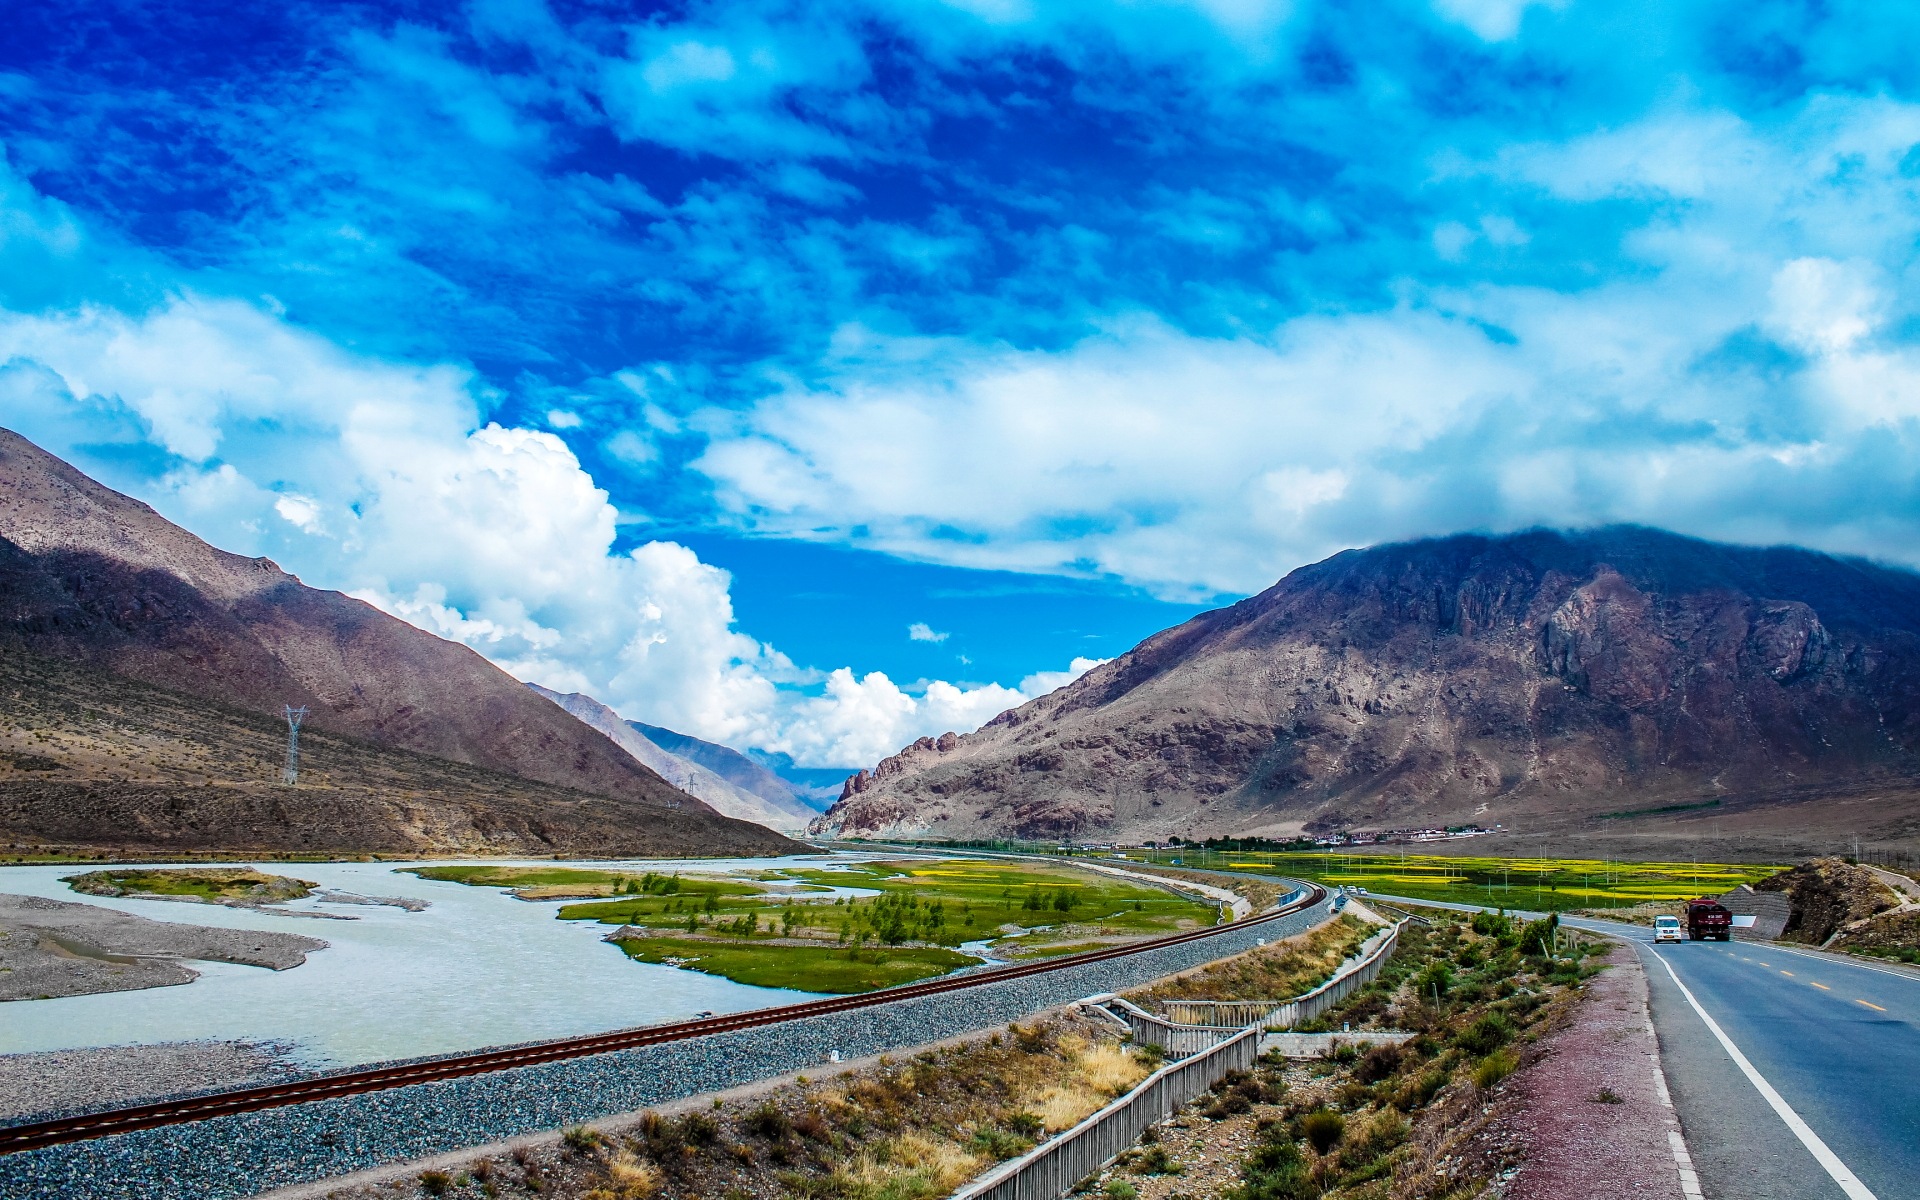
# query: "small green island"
[[795, 928], [211, 885]]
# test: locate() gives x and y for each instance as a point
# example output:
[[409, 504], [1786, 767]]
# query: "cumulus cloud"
[[1741, 384], [920, 631], [378, 479]]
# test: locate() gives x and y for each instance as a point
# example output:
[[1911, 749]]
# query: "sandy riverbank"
[[52, 948]]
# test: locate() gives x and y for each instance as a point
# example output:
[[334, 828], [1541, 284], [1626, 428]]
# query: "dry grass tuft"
[[911, 1165], [1110, 1069]]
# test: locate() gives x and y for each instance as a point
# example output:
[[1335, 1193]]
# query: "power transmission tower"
[[290, 774]]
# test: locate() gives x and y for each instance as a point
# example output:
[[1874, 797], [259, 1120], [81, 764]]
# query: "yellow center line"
[[1823, 987], [1870, 1004], [1788, 974]]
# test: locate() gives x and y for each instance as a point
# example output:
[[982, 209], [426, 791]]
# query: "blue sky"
[[816, 377]]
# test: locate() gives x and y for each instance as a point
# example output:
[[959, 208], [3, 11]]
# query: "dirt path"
[[1595, 1120]]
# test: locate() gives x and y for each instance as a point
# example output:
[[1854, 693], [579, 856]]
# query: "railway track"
[[32, 1136]]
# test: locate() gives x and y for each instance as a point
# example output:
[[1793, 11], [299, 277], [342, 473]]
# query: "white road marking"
[[1848, 1181]]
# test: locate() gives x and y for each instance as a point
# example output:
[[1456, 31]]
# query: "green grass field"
[[744, 927], [207, 883], [946, 902], [836, 969], [584, 878], [1536, 884]]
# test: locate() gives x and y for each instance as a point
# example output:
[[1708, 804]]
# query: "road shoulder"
[[1595, 1120]]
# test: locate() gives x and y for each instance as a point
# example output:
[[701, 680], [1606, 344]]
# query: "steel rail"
[[34, 1135]]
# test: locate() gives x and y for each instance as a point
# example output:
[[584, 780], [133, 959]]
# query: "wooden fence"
[[1178, 1040], [1053, 1169], [1202, 1054], [1353, 975]]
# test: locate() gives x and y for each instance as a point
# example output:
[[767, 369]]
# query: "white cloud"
[[920, 631], [484, 534], [1821, 306], [1746, 378], [1493, 20]]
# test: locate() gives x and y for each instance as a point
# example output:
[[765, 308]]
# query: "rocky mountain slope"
[[788, 787], [95, 586], [724, 796], [1604, 681]]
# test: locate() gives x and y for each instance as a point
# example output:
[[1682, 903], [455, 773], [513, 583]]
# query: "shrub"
[[1120, 1189], [1538, 936], [1276, 1171], [813, 1126], [1366, 1155], [998, 1144], [767, 1121], [1487, 1034], [1025, 1124], [1156, 1161], [1378, 1063], [700, 1129], [436, 1183], [1237, 1092], [1432, 982], [582, 1138], [1323, 1128], [628, 1178], [1420, 1092], [1495, 1067]]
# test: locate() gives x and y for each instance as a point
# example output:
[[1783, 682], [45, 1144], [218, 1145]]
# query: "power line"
[[290, 774]]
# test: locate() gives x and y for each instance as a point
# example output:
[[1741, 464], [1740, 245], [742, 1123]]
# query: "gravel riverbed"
[[65, 1081], [248, 1153], [61, 948]]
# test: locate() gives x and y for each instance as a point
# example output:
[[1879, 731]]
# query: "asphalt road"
[[1836, 1041]]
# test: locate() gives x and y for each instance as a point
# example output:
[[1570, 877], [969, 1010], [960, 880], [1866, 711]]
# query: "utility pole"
[[290, 774]]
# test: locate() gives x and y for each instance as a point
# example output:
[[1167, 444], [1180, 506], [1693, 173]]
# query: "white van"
[[1667, 929]]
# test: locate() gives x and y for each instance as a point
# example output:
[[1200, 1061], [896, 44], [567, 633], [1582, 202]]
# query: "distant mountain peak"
[[1536, 679], [779, 811]]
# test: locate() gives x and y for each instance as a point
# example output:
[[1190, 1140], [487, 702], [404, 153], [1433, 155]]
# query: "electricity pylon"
[[290, 775]]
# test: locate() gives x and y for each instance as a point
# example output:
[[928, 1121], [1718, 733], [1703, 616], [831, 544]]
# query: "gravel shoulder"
[[1594, 1117], [51, 948]]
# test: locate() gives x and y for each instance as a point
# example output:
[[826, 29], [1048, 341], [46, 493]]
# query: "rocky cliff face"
[[99, 581], [1532, 678]]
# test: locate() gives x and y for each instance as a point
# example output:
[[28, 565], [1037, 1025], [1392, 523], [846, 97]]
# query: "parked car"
[[1667, 929]]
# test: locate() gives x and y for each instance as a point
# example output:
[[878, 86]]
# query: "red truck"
[[1708, 920]]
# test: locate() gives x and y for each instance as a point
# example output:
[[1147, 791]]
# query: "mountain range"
[[146, 673], [746, 791], [1621, 684]]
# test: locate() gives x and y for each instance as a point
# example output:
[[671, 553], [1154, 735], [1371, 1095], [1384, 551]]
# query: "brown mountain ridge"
[[1558, 683], [102, 597]]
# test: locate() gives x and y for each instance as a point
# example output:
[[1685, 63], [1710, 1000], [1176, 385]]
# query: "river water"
[[476, 968]]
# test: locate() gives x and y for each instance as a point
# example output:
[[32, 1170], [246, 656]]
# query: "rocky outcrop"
[[1828, 895], [1543, 676]]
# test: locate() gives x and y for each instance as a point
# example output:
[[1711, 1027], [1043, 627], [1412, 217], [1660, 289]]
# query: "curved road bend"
[[1837, 1041]]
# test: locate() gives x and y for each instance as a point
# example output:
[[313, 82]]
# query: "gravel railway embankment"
[[246, 1153]]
